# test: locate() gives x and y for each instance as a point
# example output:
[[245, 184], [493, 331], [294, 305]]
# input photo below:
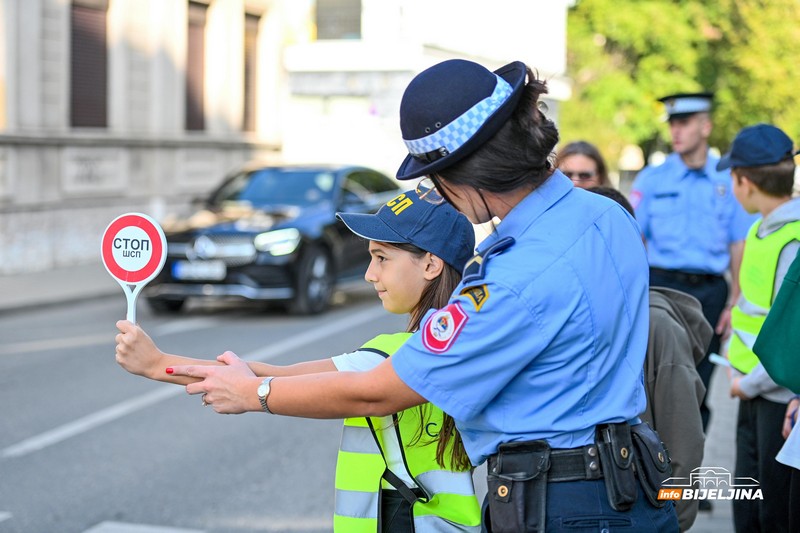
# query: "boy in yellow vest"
[[762, 170]]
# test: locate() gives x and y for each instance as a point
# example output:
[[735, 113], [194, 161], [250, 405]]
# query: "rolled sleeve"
[[358, 361]]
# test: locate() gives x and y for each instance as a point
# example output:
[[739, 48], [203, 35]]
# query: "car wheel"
[[161, 306], [315, 283]]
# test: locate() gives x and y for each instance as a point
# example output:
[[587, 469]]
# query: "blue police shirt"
[[551, 341], [689, 216]]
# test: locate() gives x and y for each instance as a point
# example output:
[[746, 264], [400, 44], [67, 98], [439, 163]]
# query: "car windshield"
[[276, 186]]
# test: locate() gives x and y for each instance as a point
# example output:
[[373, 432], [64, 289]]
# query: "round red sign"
[[134, 248]]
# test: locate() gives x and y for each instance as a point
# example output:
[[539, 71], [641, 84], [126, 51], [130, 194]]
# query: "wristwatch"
[[263, 393]]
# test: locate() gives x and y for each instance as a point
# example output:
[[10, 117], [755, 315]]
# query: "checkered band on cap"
[[453, 135]]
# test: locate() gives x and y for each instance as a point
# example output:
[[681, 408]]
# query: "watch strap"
[[263, 399]]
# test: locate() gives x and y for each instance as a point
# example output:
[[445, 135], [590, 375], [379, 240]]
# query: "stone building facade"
[[111, 106]]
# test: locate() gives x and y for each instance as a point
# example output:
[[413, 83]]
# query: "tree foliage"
[[622, 56]]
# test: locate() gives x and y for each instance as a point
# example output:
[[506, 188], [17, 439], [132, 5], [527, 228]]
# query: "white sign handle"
[[131, 294]]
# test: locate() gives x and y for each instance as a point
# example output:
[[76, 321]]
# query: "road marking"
[[76, 427], [121, 527], [177, 326], [54, 344]]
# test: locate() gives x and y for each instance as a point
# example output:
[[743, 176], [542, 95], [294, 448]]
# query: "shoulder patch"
[[442, 328], [478, 294], [475, 267], [635, 198]]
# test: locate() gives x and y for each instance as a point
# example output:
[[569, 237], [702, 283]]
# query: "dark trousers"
[[794, 501], [396, 514], [712, 291], [758, 440], [583, 506]]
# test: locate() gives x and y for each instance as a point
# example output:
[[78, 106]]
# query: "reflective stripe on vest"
[[451, 504], [757, 284]]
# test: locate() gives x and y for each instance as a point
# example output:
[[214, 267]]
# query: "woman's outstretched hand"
[[229, 389]]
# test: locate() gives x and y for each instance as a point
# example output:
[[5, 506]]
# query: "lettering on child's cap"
[[754, 146], [438, 229]]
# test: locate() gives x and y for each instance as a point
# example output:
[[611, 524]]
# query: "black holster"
[[517, 486], [652, 461], [615, 448]]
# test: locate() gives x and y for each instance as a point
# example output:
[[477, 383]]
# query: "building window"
[[195, 66], [250, 63], [338, 19], [88, 64]]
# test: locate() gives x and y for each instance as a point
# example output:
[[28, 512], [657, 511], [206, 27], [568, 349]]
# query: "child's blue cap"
[[438, 229], [754, 146]]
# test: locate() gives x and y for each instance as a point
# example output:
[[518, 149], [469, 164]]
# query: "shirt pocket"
[[667, 222]]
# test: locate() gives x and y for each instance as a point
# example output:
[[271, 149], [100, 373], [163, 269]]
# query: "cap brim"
[[369, 227], [724, 162], [514, 73], [678, 116]]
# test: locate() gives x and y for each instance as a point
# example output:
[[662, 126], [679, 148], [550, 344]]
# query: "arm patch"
[[478, 294]]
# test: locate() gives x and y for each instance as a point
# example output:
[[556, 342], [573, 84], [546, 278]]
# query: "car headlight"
[[278, 242]]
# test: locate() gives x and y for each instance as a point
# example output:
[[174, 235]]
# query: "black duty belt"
[[574, 464], [692, 278]]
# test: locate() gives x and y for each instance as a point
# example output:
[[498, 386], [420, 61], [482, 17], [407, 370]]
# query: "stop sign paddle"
[[134, 250]]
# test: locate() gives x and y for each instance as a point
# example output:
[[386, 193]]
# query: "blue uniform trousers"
[[582, 507]]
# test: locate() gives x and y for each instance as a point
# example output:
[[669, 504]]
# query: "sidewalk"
[[720, 451], [65, 285]]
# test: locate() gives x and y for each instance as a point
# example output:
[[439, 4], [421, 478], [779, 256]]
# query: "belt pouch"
[[652, 461], [616, 458], [517, 485]]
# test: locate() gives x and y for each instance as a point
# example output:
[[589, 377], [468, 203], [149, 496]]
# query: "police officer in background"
[[693, 226]]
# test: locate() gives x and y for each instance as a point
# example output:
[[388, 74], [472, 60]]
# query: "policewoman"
[[693, 225], [538, 356]]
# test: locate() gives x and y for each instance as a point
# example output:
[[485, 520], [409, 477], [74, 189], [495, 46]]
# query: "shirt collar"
[[708, 170], [525, 213]]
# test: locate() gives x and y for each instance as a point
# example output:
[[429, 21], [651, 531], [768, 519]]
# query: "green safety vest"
[[449, 502], [757, 283]]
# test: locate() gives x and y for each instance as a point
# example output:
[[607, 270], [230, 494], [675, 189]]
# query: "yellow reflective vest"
[[757, 283], [448, 502]]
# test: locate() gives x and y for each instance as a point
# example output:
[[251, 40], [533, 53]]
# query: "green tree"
[[622, 56]]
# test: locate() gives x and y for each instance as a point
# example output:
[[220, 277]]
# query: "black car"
[[270, 233]]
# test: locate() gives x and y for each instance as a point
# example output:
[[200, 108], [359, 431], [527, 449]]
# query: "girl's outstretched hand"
[[136, 352]]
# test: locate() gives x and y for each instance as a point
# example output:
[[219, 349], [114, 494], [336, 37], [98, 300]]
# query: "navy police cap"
[[438, 229], [685, 104], [754, 146], [450, 109]]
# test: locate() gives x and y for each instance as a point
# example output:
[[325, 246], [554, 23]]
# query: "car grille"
[[234, 250]]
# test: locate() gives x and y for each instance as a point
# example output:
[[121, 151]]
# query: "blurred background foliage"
[[622, 56]]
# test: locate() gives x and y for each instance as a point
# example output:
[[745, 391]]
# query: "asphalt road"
[[84, 446]]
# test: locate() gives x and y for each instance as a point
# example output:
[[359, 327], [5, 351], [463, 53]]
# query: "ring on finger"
[[204, 400]]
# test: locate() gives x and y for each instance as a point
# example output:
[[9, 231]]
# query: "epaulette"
[[475, 267]]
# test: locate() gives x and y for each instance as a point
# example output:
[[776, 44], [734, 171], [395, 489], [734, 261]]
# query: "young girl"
[[398, 473]]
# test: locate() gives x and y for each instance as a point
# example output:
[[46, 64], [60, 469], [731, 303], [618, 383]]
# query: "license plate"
[[199, 270]]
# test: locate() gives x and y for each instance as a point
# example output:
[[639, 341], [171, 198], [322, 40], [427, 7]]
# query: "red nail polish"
[[169, 370]]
